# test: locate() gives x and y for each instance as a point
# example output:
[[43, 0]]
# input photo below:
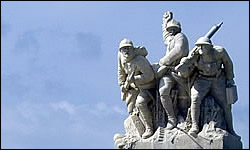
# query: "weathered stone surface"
[[134, 126], [179, 139], [212, 135]]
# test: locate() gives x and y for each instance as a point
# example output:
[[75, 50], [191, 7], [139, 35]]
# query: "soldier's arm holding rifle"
[[125, 86]]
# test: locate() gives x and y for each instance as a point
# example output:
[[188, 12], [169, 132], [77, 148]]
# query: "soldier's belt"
[[218, 73]]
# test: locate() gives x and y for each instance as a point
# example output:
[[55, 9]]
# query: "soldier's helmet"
[[125, 43], [203, 40], [173, 23]]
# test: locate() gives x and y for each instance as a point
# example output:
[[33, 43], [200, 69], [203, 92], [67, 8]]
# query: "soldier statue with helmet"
[[214, 74], [136, 79], [176, 47]]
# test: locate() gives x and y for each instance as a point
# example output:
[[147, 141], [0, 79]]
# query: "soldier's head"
[[173, 27], [204, 44], [127, 49]]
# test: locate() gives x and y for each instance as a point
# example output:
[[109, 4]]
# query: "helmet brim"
[[125, 45], [173, 26], [203, 43]]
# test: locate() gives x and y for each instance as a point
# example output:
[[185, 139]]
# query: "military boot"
[[148, 132], [147, 120], [168, 106], [195, 114], [194, 129]]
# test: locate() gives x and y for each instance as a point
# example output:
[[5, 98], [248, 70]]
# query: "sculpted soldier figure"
[[131, 94], [177, 47], [215, 72], [136, 78]]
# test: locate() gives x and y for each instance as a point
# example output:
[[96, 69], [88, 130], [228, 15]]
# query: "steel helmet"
[[125, 43], [203, 40], [173, 23]]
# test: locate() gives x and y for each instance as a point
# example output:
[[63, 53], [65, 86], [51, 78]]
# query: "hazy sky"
[[59, 65]]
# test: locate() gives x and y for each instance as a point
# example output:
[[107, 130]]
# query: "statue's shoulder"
[[219, 49], [140, 60], [220, 52], [181, 36], [141, 50]]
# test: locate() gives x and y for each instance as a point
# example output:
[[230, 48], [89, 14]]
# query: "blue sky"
[[59, 65]]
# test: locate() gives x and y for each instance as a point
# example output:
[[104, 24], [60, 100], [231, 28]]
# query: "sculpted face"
[[173, 30], [204, 48], [128, 53]]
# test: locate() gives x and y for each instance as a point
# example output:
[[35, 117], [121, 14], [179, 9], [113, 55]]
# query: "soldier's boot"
[[168, 106], [229, 121], [147, 120], [194, 129], [195, 114], [148, 132]]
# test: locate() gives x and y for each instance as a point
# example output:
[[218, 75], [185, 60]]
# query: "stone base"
[[179, 139], [134, 126], [212, 135]]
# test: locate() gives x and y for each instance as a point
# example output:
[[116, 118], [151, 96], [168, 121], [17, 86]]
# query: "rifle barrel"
[[214, 29]]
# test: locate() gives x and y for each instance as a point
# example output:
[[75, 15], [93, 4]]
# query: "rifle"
[[126, 84], [212, 31]]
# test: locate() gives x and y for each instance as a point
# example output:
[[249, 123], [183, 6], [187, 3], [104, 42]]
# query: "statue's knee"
[[165, 98], [140, 102], [196, 99], [164, 91]]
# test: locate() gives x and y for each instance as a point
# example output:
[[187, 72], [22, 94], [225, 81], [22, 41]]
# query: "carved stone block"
[[134, 126]]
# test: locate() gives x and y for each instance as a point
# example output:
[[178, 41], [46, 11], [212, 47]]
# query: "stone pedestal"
[[212, 133], [134, 126], [179, 139]]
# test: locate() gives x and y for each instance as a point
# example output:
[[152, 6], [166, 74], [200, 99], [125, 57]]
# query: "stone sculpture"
[[177, 47], [182, 101], [211, 77], [136, 74]]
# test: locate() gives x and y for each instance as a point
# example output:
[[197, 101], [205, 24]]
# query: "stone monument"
[[181, 102]]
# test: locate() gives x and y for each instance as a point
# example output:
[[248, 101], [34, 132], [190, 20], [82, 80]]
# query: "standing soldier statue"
[[177, 47], [130, 94], [214, 70], [136, 78]]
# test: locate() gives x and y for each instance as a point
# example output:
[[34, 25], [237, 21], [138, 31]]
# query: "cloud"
[[49, 63], [89, 45], [27, 42], [24, 118], [120, 110], [57, 44], [13, 86], [27, 122], [5, 28], [55, 88], [101, 109], [64, 106]]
